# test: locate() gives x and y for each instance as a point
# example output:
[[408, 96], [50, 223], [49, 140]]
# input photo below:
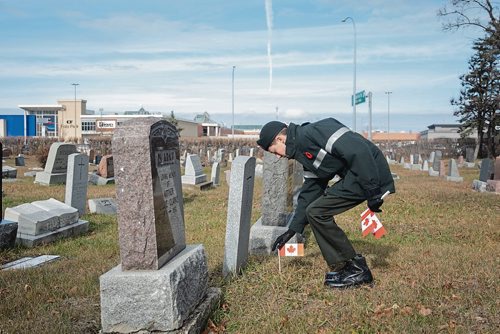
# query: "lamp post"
[[388, 115], [232, 128], [75, 84], [388, 109], [354, 75]]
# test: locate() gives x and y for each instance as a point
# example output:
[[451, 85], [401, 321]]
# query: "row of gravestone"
[[162, 284], [435, 166], [160, 278]]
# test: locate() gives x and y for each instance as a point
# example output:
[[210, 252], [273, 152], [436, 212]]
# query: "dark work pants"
[[332, 241]]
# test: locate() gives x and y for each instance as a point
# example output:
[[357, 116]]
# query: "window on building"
[[88, 126]]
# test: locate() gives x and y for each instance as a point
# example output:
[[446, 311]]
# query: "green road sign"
[[360, 97]]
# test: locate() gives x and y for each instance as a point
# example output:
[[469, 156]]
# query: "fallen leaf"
[[407, 310], [27, 288], [424, 311]]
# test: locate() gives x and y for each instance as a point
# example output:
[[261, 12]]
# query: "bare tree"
[[465, 13]]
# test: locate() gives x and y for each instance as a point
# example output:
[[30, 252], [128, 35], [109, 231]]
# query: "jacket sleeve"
[[312, 188], [358, 155]]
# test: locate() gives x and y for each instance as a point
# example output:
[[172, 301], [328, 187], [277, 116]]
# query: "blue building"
[[13, 125]]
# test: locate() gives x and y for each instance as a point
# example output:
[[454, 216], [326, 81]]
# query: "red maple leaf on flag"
[[290, 249]]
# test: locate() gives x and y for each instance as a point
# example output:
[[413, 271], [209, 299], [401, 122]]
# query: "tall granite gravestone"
[[276, 205], [239, 212], [453, 174], [442, 168], [215, 176], [56, 165], [76, 182], [161, 282], [193, 174]]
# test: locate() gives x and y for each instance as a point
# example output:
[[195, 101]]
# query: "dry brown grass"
[[436, 271]]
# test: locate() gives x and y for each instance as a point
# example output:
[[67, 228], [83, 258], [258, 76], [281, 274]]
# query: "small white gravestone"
[[215, 177], [193, 173], [105, 206]]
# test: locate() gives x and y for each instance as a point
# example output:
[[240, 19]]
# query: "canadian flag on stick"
[[292, 250], [371, 224]]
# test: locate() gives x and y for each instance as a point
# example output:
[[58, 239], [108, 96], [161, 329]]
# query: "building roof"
[[394, 136], [433, 126], [41, 107]]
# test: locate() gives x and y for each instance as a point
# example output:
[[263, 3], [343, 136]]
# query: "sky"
[[293, 59]]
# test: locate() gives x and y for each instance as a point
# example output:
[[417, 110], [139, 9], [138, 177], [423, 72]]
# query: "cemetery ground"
[[435, 271]]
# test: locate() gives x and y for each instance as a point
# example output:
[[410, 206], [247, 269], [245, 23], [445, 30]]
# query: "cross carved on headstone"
[[81, 164]]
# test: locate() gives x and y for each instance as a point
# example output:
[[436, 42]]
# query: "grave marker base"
[[72, 230], [47, 179], [262, 237], [156, 300], [99, 180]]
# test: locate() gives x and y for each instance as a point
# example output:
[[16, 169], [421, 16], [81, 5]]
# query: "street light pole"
[[232, 128], [75, 84], [354, 75], [388, 115], [388, 110]]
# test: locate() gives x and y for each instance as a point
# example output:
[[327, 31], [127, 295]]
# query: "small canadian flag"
[[371, 224], [292, 250]]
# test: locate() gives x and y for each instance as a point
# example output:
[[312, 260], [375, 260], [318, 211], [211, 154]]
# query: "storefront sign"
[[106, 124]]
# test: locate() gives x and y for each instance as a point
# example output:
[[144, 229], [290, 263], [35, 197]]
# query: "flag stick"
[[279, 262], [386, 193]]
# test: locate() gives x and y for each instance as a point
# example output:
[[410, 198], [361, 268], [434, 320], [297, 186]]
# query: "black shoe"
[[334, 273], [355, 273]]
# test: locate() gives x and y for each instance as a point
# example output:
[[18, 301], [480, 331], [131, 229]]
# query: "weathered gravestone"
[[9, 172], [425, 166], [469, 154], [91, 155], [220, 157], [56, 165], [8, 231], [193, 173], [215, 176], [76, 182], [442, 168], [161, 281], [19, 160], [494, 185], [436, 164], [239, 212], [431, 157], [486, 171], [106, 167], [41, 222], [276, 205], [105, 206], [453, 174]]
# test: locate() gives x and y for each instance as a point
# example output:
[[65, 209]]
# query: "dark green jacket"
[[327, 148]]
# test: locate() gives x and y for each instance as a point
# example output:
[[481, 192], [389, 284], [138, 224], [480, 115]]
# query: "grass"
[[436, 271]]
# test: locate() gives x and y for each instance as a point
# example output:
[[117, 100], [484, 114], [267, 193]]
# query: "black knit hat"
[[268, 133]]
